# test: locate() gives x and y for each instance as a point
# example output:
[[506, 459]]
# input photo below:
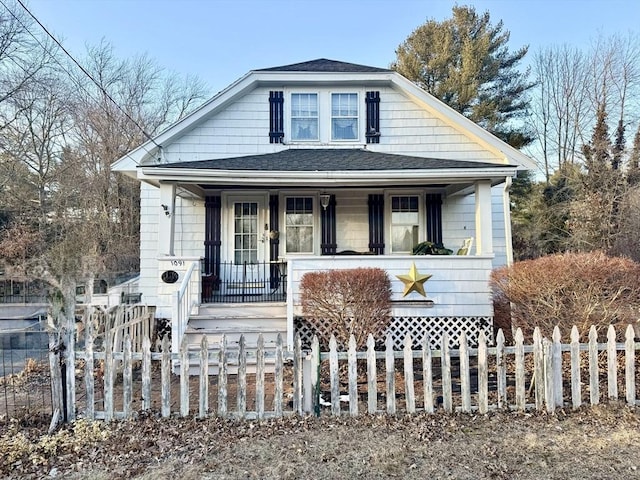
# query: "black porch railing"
[[245, 283]]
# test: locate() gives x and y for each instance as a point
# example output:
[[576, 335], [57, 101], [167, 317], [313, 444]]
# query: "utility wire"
[[100, 87], [84, 70]]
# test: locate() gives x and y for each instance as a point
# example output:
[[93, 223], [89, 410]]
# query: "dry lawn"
[[599, 442]]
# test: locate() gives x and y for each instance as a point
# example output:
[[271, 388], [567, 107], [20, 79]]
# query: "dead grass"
[[597, 442]]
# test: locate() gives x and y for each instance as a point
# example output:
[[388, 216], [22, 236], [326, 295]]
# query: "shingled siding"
[[189, 236], [458, 223], [242, 128]]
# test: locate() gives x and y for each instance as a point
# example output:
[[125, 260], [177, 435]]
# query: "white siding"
[[149, 206], [458, 223], [242, 128]]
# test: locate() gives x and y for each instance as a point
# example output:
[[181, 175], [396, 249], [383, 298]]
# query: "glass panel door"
[[245, 272], [245, 235]]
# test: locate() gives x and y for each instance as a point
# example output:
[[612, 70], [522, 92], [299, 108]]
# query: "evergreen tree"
[[465, 62], [633, 172]]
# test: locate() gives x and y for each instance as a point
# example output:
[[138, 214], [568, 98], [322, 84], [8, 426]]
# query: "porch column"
[[484, 228], [506, 205], [166, 219]]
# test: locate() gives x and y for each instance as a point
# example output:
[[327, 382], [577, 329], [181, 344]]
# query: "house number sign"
[[169, 276]]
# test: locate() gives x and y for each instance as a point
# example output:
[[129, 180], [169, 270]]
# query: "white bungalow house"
[[315, 166]]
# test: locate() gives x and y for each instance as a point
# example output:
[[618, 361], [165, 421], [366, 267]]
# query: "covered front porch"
[[457, 297]]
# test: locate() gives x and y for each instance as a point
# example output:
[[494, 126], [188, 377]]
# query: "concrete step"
[[214, 336]]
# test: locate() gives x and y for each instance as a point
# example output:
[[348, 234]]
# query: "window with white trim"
[[304, 116], [344, 116], [299, 224], [405, 223]]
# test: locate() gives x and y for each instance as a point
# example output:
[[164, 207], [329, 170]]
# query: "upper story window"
[[344, 116], [299, 224], [304, 116], [405, 223]]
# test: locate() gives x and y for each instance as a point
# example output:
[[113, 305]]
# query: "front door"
[[246, 271]]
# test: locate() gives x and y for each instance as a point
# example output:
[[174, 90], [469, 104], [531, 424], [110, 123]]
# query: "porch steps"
[[250, 321]]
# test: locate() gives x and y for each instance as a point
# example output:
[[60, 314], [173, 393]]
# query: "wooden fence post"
[[222, 377], [427, 374], [630, 365], [576, 386], [483, 375], [203, 397], [372, 380], [389, 362], [146, 374], [445, 362], [89, 381], [501, 371], [409, 388], [465, 375], [519, 360], [56, 376], [547, 355], [297, 374], [334, 376], [242, 378], [352, 367], [184, 377], [260, 377], [612, 364], [165, 374], [538, 377], [556, 347], [278, 377], [315, 374], [127, 377], [109, 373], [594, 382]]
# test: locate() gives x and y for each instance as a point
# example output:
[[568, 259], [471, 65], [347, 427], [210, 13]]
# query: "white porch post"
[[484, 229], [166, 219], [506, 205]]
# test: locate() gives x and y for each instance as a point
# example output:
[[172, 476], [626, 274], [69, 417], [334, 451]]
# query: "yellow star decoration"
[[414, 282]]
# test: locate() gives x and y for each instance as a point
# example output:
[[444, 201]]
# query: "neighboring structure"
[[305, 167]]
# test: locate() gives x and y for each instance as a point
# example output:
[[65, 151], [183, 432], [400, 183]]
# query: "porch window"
[[344, 116], [405, 223], [299, 224], [304, 116]]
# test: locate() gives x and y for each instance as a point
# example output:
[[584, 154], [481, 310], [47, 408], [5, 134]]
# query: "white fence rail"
[[259, 382]]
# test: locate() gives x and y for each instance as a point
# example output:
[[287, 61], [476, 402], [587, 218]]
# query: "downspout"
[[506, 206]]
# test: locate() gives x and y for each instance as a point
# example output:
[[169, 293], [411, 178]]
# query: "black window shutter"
[[212, 242], [328, 242], [276, 117], [434, 217], [373, 117], [376, 224]]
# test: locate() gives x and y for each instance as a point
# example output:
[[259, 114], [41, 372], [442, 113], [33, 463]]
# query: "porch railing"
[[182, 305], [245, 283]]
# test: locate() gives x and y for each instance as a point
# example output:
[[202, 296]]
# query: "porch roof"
[[327, 167], [331, 160]]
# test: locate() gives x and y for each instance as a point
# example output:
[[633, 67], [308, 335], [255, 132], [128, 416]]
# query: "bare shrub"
[[581, 289], [347, 302]]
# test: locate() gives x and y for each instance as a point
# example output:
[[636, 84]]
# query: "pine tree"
[[465, 62]]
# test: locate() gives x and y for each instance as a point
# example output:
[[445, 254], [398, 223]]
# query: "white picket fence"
[[544, 375]]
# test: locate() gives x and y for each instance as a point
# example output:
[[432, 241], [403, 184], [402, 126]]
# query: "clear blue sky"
[[221, 40]]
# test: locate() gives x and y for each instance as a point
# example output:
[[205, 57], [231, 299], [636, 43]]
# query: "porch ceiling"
[[326, 168]]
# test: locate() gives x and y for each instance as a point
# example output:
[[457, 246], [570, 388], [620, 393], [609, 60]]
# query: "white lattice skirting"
[[418, 327]]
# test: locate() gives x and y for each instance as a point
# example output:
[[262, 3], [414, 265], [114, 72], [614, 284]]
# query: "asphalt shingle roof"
[[324, 65], [327, 160]]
